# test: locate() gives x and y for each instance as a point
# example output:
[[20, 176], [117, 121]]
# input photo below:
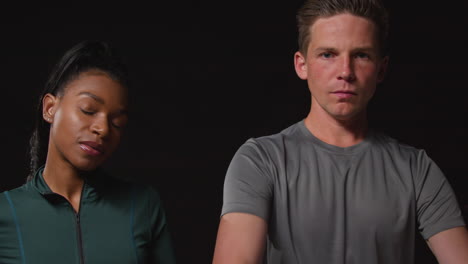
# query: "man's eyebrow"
[[95, 97], [322, 49], [366, 49], [359, 49]]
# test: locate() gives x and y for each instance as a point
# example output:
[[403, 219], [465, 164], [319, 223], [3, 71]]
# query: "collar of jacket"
[[90, 187]]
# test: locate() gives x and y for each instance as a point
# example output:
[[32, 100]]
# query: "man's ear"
[[383, 69], [300, 65], [49, 106]]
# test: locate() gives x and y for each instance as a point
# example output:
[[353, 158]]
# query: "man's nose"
[[346, 71]]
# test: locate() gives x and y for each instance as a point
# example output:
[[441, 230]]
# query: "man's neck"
[[340, 133]]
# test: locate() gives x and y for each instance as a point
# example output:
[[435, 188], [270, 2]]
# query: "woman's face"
[[86, 120]]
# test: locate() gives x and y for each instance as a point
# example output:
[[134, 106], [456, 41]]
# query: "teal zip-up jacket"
[[118, 222]]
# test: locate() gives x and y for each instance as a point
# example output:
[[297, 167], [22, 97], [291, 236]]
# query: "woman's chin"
[[86, 166]]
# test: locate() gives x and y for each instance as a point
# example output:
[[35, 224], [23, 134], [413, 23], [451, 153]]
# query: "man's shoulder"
[[285, 136], [392, 145]]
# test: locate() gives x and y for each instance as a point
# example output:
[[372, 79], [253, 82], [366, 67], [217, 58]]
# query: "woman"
[[69, 211]]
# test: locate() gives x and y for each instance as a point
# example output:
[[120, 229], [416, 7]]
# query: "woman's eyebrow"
[[95, 97]]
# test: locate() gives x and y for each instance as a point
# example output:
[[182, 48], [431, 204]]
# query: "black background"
[[209, 75]]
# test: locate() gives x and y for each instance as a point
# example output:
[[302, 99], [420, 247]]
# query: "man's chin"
[[348, 115]]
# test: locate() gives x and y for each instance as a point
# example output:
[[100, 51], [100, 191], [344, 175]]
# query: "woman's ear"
[[49, 105]]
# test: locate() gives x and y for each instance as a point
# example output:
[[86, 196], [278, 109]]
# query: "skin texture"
[[86, 126], [450, 246], [342, 56], [241, 239], [342, 68]]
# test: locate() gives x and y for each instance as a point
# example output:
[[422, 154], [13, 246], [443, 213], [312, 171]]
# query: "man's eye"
[[327, 55], [362, 55]]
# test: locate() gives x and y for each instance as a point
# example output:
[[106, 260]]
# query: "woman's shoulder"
[[144, 199], [11, 199], [138, 190], [20, 192]]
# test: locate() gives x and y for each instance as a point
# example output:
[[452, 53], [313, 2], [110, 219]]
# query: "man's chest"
[[344, 198]]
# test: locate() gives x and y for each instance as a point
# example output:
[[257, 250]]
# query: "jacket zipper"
[[78, 235]]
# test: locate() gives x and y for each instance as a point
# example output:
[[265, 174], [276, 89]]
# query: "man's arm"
[[241, 239], [450, 246]]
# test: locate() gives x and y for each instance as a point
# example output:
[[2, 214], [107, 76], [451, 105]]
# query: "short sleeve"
[[437, 206], [247, 186], [161, 251]]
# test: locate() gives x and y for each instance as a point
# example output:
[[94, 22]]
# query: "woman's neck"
[[65, 180]]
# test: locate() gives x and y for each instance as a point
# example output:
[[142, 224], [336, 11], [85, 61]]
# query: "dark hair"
[[83, 57], [312, 10]]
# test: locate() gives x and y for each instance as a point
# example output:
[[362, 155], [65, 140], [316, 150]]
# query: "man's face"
[[342, 66]]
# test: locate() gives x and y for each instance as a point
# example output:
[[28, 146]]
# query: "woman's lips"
[[92, 148]]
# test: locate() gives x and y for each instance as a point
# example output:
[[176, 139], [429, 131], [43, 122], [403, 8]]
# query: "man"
[[328, 189]]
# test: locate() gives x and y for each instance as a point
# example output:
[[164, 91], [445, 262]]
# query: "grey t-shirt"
[[326, 204]]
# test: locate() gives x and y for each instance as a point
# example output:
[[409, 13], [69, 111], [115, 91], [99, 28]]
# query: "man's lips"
[[92, 148], [344, 94]]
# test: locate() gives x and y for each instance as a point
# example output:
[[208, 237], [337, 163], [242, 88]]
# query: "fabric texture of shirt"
[[326, 204], [118, 222]]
